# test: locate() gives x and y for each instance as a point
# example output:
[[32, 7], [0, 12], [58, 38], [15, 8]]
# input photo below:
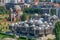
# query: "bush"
[[50, 39], [24, 17], [57, 30]]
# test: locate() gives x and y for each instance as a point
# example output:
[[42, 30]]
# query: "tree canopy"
[[57, 30], [31, 10], [3, 10], [24, 17]]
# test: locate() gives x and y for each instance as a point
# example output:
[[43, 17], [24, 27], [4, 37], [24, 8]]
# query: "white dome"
[[19, 22], [46, 14], [54, 16], [17, 7], [43, 25], [49, 15], [12, 24], [45, 22], [26, 25], [35, 20], [50, 23], [36, 14], [33, 25], [14, 15], [40, 22], [41, 19], [31, 21], [39, 28], [47, 27], [26, 21], [11, 9], [35, 28], [22, 22]]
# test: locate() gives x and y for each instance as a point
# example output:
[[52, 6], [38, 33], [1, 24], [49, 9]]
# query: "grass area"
[[2, 36], [23, 38]]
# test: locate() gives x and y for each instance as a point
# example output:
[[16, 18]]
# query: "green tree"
[[31, 10], [3, 10], [50, 39], [53, 11], [57, 30], [24, 17]]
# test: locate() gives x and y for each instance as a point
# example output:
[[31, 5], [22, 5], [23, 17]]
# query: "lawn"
[[2, 36], [23, 38]]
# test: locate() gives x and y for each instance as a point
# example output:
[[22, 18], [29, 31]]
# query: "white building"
[[12, 1], [33, 27]]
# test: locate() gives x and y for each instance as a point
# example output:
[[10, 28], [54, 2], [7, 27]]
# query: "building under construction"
[[15, 15]]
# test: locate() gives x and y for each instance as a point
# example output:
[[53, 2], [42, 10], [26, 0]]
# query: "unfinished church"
[[15, 14]]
